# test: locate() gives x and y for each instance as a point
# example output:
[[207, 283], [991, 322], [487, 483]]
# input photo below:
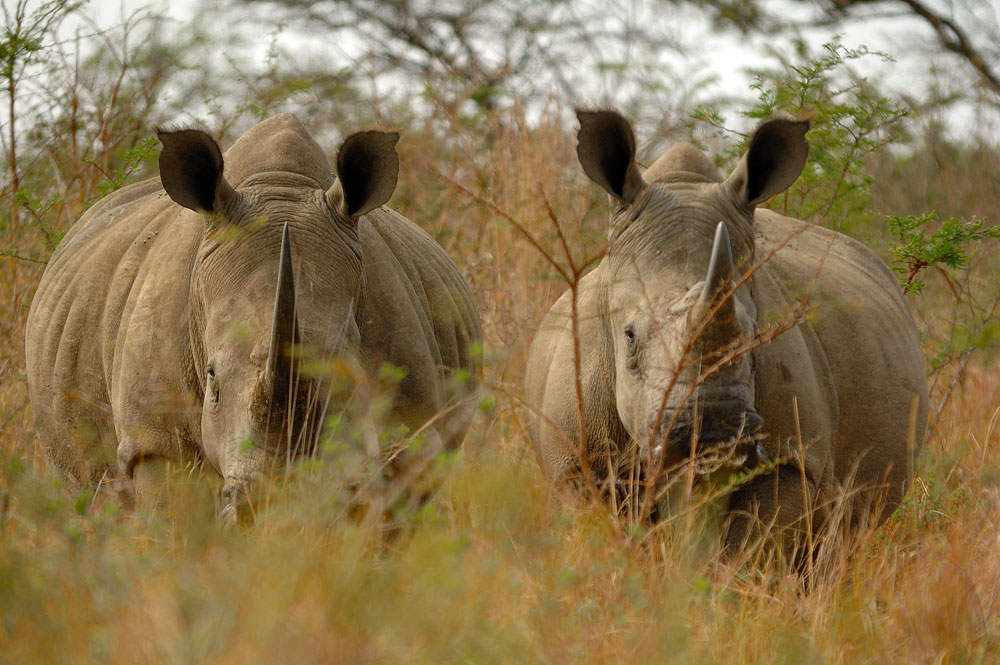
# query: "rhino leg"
[[772, 512], [148, 454], [177, 486], [149, 482]]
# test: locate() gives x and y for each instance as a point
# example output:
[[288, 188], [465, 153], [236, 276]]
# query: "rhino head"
[[681, 238], [279, 269]]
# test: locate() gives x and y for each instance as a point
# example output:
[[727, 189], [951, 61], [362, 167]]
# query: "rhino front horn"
[[284, 331], [720, 266]]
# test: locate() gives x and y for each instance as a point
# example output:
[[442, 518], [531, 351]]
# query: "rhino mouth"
[[733, 427]]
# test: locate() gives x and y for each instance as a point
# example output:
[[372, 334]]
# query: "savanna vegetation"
[[495, 567]]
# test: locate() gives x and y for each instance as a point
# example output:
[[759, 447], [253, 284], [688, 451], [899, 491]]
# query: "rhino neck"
[[274, 181], [196, 355]]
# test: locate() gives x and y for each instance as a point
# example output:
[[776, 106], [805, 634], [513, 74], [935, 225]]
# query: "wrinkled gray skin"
[[652, 315], [151, 333]]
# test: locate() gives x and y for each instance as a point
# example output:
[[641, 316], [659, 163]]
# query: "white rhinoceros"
[[834, 395], [164, 324]]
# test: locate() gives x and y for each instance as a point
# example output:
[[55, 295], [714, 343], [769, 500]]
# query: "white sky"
[[725, 55]]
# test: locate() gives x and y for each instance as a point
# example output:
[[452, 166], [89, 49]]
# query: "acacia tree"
[[80, 108], [966, 29], [81, 99], [22, 49], [481, 54]]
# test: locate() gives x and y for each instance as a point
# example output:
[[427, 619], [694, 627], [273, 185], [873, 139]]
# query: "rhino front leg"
[[155, 470], [149, 482], [143, 476], [772, 512]]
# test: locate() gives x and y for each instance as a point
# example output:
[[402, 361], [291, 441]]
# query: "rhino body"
[[839, 397], [154, 334]]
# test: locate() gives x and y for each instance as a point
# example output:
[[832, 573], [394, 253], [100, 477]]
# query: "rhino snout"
[[725, 425], [717, 423]]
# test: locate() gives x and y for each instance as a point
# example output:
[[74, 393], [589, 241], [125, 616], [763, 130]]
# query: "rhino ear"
[[367, 167], [775, 158], [191, 170], [606, 149]]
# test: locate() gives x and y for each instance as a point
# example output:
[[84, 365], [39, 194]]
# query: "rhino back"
[[418, 313], [121, 258], [856, 356]]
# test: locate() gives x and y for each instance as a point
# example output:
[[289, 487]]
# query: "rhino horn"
[[719, 280], [284, 330], [720, 266]]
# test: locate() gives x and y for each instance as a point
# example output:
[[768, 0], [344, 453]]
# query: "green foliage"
[[22, 50], [390, 374], [38, 210], [850, 121], [135, 157], [918, 248], [22, 43], [958, 319]]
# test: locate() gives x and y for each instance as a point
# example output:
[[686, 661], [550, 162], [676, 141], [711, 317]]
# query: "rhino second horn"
[[284, 330], [720, 266]]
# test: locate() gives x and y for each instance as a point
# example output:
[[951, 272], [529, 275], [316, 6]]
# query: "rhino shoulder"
[[853, 296], [112, 242], [107, 210], [107, 273], [550, 383], [132, 237], [418, 314], [801, 249], [857, 338], [424, 274]]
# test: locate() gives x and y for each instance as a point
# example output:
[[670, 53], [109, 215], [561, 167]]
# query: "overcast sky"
[[725, 55]]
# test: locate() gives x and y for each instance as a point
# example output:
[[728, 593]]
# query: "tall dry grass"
[[493, 568]]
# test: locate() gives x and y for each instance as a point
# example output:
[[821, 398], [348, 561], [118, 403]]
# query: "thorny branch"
[[572, 276]]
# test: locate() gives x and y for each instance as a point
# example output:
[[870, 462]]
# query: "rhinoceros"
[[172, 320], [711, 320]]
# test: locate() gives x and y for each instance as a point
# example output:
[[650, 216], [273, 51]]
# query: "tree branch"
[[956, 40]]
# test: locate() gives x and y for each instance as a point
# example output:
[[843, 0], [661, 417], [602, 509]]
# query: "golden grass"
[[493, 569]]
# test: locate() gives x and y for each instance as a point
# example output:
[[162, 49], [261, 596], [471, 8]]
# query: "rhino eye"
[[630, 339], [211, 390]]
